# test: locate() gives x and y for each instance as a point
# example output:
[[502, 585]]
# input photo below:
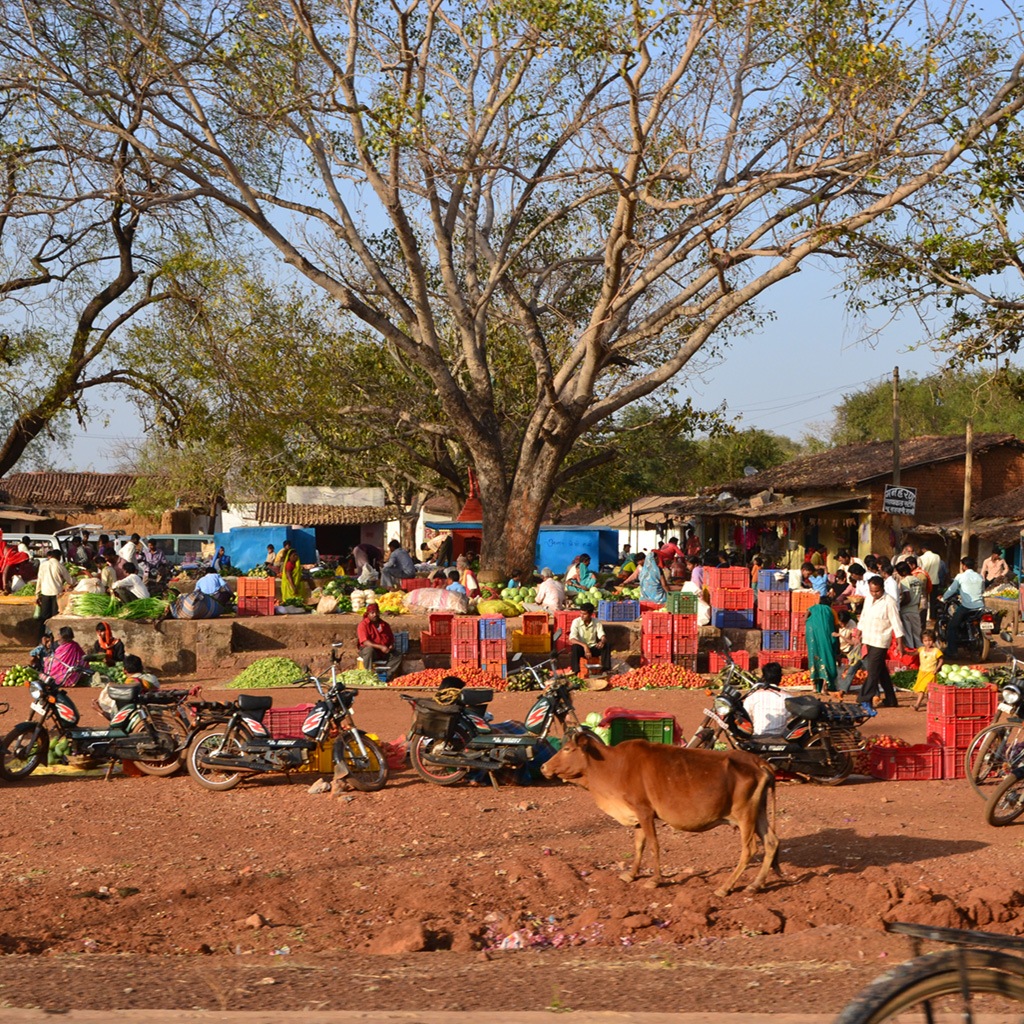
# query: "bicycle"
[[964, 984], [997, 746]]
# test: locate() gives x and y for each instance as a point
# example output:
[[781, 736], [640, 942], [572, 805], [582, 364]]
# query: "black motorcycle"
[[997, 746], [221, 757], [975, 630], [817, 744], [450, 740], [149, 728]]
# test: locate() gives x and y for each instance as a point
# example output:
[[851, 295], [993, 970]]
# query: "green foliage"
[[268, 672]]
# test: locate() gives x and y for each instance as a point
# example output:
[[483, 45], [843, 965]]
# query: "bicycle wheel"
[[1006, 804], [989, 754], [929, 990]]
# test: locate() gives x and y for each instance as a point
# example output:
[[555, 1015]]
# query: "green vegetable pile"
[[268, 672], [258, 570], [294, 602], [100, 606], [961, 675], [904, 679], [147, 608], [112, 673], [359, 677], [58, 752], [29, 590], [19, 675]]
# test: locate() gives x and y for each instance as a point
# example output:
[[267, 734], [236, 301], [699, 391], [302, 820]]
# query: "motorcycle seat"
[[124, 694], [162, 696], [475, 696], [248, 702], [808, 708]]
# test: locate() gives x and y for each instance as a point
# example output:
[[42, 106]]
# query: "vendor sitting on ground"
[[633, 579], [38, 655], [398, 567], [377, 642], [578, 576], [453, 583], [66, 666], [108, 645], [213, 585], [551, 592], [131, 588], [134, 674], [587, 640]]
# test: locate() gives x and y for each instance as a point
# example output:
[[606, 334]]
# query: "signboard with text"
[[900, 501]]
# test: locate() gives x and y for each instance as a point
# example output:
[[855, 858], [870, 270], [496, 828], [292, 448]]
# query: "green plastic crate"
[[679, 603], [654, 730]]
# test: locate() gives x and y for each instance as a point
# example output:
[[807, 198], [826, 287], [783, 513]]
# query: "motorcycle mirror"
[[556, 636], [517, 657], [726, 642], [1006, 636]]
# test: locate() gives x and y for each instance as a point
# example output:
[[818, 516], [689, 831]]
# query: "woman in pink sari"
[[13, 563], [67, 663]]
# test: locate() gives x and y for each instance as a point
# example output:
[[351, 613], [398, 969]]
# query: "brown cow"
[[638, 783]]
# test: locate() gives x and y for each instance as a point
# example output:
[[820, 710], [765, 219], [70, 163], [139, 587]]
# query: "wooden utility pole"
[[965, 537], [897, 521]]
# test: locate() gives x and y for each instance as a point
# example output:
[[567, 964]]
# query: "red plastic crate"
[[493, 651], [654, 643], [440, 623], [495, 668], [797, 622], [787, 659], [465, 650], [716, 578], [459, 663], [684, 645], [286, 723], [656, 624], [431, 644], [732, 598], [773, 601], [563, 621], [256, 586], [717, 662], [687, 661], [255, 606], [650, 606], [798, 640], [465, 627], [920, 763], [953, 763], [771, 619], [961, 702], [535, 624], [684, 625], [415, 583], [801, 600], [955, 733]]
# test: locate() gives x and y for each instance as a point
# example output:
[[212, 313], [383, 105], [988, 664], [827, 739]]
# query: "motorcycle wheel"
[[1007, 803], [367, 774], [209, 776], [986, 645], [171, 731], [989, 754], [439, 775], [23, 750], [839, 771], [702, 739]]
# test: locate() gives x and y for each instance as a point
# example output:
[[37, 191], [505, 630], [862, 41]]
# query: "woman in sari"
[[652, 581], [66, 665], [578, 576], [822, 646], [291, 574], [14, 563]]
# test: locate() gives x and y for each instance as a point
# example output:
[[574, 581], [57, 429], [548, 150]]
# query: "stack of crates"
[[667, 638], [493, 647], [535, 636], [717, 662], [801, 603], [680, 602], [731, 597], [956, 714], [465, 642], [438, 638], [563, 622], [256, 595]]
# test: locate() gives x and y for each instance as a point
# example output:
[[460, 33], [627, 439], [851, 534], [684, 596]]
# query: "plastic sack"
[[507, 608], [327, 605], [89, 585], [431, 599]]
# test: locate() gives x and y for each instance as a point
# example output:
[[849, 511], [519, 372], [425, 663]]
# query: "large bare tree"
[[584, 194]]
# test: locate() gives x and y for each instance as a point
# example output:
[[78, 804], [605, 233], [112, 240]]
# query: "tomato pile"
[[658, 677], [431, 677], [885, 742]]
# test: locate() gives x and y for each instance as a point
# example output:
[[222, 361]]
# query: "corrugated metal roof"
[[68, 491], [284, 513]]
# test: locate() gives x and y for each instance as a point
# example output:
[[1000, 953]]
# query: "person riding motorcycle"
[[970, 587], [766, 703]]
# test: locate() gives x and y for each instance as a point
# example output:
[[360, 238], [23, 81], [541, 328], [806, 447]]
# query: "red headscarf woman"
[[10, 559]]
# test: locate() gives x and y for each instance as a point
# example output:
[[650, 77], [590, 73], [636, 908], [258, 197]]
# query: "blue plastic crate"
[[726, 618], [775, 639], [402, 642], [618, 611], [492, 627], [773, 579]]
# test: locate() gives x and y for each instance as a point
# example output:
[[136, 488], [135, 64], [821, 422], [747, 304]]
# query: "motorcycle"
[[817, 744], [448, 741], [975, 630], [150, 729], [998, 745], [219, 758]]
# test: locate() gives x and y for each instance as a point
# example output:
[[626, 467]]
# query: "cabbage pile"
[[961, 675]]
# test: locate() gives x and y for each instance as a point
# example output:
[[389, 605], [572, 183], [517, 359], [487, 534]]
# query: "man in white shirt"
[[879, 622], [969, 587], [52, 581], [130, 549], [766, 703], [131, 588], [551, 592], [586, 638]]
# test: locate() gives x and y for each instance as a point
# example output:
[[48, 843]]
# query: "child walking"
[[930, 658]]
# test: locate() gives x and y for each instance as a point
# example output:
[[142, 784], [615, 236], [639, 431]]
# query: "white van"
[[39, 543], [187, 548]]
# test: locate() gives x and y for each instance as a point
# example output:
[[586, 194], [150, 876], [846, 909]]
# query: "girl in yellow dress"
[[930, 658]]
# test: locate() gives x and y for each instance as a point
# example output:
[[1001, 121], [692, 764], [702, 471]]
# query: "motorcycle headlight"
[[723, 706], [36, 689], [1010, 695]]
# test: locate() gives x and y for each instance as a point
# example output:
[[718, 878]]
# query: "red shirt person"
[[377, 641], [669, 551]]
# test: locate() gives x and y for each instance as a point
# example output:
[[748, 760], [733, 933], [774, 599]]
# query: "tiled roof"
[[285, 514], [68, 491], [854, 464]]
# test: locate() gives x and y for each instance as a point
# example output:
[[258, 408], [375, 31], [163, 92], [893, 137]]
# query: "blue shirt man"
[[969, 586]]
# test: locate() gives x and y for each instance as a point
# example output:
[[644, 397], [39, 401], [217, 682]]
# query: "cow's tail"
[[771, 815]]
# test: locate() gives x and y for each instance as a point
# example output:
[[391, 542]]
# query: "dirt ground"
[[144, 892]]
